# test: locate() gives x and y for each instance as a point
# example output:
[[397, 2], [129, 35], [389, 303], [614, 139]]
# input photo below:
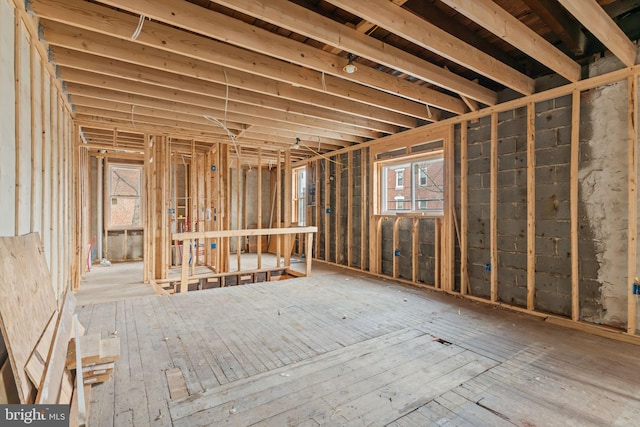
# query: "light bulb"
[[349, 68]]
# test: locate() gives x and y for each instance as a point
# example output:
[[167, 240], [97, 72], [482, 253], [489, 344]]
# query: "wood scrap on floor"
[[97, 357]]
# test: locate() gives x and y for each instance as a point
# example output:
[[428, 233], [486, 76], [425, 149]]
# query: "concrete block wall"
[[479, 184], [552, 204], [602, 203]]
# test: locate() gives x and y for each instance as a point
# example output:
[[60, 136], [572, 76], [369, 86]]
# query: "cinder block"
[[553, 119], [513, 260], [513, 161], [545, 138], [512, 127], [506, 178], [544, 106], [553, 303], [513, 194], [508, 277], [563, 101], [553, 156], [556, 265], [479, 165], [505, 116], [474, 151], [551, 228], [512, 295], [506, 145], [521, 177], [546, 282]]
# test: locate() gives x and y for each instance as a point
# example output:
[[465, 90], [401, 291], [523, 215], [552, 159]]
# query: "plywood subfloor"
[[337, 349]]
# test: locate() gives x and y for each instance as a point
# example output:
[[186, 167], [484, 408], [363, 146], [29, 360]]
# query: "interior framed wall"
[[537, 186], [37, 162]]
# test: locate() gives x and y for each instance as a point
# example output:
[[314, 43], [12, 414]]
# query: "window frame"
[[408, 161], [109, 196]]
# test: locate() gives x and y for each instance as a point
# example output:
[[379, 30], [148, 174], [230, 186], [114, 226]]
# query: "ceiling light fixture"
[[297, 144], [350, 68]]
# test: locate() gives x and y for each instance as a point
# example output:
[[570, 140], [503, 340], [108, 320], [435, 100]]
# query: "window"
[[299, 195], [422, 176], [412, 185], [125, 201], [399, 178]]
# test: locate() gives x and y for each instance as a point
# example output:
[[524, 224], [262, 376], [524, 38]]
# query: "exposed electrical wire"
[[231, 136], [428, 110], [226, 98], [324, 83], [138, 30], [319, 154]]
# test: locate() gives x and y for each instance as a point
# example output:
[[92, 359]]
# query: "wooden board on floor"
[[49, 390], [89, 349], [177, 386], [26, 305]]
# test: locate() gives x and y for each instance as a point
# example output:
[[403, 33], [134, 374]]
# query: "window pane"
[[415, 186], [125, 203], [125, 212], [125, 181]]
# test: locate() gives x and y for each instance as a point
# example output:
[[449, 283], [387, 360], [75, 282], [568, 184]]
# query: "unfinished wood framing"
[[632, 245], [531, 206], [493, 202], [573, 183], [350, 185], [202, 98], [464, 213]]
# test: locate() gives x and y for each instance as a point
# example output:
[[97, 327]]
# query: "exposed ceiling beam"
[[304, 118], [222, 27], [495, 19], [561, 23], [363, 27], [596, 20], [397, 20], [92, 17], [73, 46], [436, 16], [621, 7], [113, 68], [303, 21], [166, 109]]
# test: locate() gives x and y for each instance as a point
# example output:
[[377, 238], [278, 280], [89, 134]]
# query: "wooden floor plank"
[[344, 349]]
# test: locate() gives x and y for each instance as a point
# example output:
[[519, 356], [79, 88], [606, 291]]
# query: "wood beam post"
[[573, 183], [632, 90], [494, 207], [531, 205], [464, 209]]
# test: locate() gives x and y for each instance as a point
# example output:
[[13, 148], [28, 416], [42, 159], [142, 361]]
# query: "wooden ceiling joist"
[[117, 24], [400, 21], [596, 20], [303, 21], [561, 23], [110, 56], [267, 127], [495, 19], [273, 108]]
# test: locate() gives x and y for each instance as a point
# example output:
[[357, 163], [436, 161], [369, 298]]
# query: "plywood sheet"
[[27, 302], [38, 359]]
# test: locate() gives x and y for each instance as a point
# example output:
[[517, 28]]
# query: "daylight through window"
[[415, 185]]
